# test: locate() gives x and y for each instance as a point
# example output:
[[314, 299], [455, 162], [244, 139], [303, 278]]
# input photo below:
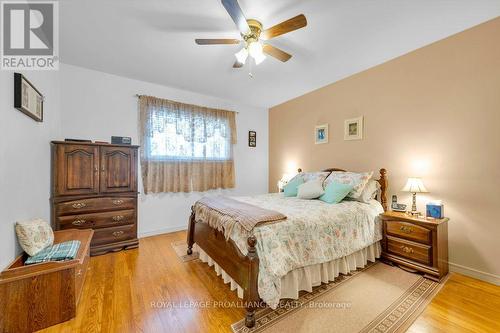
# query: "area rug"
[[379, 298], [180, 249]]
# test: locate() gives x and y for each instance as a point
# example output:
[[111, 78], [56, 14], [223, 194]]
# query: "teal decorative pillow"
[[335, 192], [291, 189]]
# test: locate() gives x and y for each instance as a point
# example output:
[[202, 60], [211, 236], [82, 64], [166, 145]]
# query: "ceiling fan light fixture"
[[255, 49], [242, 55], [259, 58], [252, 32]]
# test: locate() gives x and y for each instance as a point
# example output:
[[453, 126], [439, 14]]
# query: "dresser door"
[[77, 169], [118, 169]]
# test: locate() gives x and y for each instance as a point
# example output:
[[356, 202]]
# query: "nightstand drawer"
[[409, 231], [410, 250]]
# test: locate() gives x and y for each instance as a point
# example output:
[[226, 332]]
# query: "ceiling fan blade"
[[292, 24], [275, 52], [216, 41], [234, 10], [237, 64]]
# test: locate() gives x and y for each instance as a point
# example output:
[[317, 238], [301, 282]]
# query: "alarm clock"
[[121, 140]]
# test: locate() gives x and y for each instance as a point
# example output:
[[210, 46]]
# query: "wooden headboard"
[[382, 181], [383, 188]]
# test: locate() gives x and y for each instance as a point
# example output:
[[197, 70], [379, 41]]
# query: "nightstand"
[[416, 244]]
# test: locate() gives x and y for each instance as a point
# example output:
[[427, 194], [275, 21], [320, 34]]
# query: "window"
[[189, 138], [185, 147]]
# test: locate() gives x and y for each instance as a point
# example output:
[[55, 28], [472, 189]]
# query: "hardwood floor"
[[464, 304], [150, 290]]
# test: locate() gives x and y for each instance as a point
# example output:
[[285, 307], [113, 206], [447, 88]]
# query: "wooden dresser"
[[416, 243], [95, 186], [36, 296]]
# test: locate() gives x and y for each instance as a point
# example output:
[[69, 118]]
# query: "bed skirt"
[[305, 278]]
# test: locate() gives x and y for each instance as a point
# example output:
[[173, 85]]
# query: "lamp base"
[[414, 213]]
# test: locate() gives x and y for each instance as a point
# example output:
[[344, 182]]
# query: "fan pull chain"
[[250, 68]]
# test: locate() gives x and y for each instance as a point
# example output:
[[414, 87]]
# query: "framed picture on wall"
[[321, 134], [27, 98], [252, 139], [353, 128]]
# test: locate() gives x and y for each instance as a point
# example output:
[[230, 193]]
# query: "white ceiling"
[[153, 40]]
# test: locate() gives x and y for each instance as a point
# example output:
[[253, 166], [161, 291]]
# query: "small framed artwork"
[[321, 134], [252, 139], [27, 98], [353, 128]]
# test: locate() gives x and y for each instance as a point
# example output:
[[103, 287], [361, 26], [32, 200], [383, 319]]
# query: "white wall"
[[97, 105], [82, 103], [25, 157]]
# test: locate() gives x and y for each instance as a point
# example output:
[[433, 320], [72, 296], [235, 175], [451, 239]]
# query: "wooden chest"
[[36, 296]]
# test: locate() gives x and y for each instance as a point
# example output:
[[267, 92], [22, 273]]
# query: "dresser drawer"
[[97, 220], [112, 235], [410, 250], [409, 231], [93, 205]]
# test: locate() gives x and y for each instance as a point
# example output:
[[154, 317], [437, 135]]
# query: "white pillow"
[[357, 180], [34, 235], [369, 192], [311, 190]]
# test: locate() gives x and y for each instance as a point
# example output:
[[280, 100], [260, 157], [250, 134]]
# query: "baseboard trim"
[[162, 231], [487, 277]]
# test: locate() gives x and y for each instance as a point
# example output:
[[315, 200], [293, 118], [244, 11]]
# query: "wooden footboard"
[[244, 269]]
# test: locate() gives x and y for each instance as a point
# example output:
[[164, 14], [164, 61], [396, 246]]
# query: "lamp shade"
[[242, 55], [414, 185]]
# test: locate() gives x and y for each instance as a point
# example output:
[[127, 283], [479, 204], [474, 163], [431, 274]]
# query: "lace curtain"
[[185, 147]]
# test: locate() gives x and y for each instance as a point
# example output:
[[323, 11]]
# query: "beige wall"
[[433, 113]]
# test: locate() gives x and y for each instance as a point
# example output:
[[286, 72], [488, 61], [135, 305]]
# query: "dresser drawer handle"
[[117, 233], [118, 218], [406, 230], [406, 249], [117, 202], [78, 222], [79, 205]]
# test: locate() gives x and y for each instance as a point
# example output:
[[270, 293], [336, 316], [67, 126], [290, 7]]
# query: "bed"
[[313, 245]]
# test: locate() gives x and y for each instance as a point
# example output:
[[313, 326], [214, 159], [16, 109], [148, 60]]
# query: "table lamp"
[[414, 185]]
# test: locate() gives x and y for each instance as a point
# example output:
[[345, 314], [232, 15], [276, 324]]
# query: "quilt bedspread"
[[314, 232]]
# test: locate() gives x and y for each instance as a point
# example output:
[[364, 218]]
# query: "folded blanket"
[[222, 213], [56, 252]]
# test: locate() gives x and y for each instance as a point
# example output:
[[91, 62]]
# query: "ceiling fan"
[[253, 34]]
